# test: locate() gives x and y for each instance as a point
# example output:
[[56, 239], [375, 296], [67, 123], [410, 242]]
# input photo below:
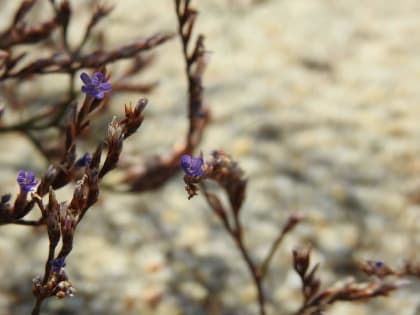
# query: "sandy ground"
[[319, 102]]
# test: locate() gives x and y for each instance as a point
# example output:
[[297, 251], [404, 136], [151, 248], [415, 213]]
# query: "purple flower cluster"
[[26, 181], [192, 166], [95, 86], [84, 160]]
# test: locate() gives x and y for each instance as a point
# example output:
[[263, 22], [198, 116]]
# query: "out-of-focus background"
[[318, 100]]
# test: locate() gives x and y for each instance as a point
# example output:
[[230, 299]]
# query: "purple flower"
[[192, 166], [378, 264], [26, 181], [58, 263], [83, 161], [375, 264], [95, 86]]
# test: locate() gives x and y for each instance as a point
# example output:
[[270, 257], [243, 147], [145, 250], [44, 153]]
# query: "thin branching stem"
[[253, 270], [37, 307], [236, 234], [26, 222]]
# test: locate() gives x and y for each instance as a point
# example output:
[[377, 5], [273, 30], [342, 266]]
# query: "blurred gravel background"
[[318, 100]]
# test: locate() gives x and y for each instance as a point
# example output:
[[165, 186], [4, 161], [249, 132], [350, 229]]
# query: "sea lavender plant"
[[70, 122], [223, 170], [57, 128]]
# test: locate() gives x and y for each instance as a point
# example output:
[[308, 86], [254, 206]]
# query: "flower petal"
[[106, 87], [89, 90], [99, 95], [98, 78], [85, 78]]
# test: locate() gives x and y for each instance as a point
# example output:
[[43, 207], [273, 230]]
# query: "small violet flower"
[[26, 181], [83, 161], [192, 166], [58, 263], [375, 264], [378, 264], [95, 86]]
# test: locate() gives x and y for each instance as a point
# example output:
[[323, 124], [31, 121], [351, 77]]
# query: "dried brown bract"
[[62, 219], [315, 300], [380, 269]]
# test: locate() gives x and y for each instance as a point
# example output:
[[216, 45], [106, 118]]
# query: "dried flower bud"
[[377, 268], [301, 260], [133, 117], [115, 142], [52, 219], [63, 15]]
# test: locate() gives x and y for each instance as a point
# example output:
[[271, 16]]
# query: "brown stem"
[[183, 16], [37, 307], [236, 234], [256, 276], [27, 222], [51, 251], [293, 220], [266, 262]]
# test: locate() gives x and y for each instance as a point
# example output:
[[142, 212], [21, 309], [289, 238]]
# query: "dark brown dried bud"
[[377, 268], [63, 16], [68, 220], [292, 221], [133, 117], [52, 219], [80, 193], [311, 284], [93, 184], [237, 192], [301, 260], [115, 142], [190, 188]]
